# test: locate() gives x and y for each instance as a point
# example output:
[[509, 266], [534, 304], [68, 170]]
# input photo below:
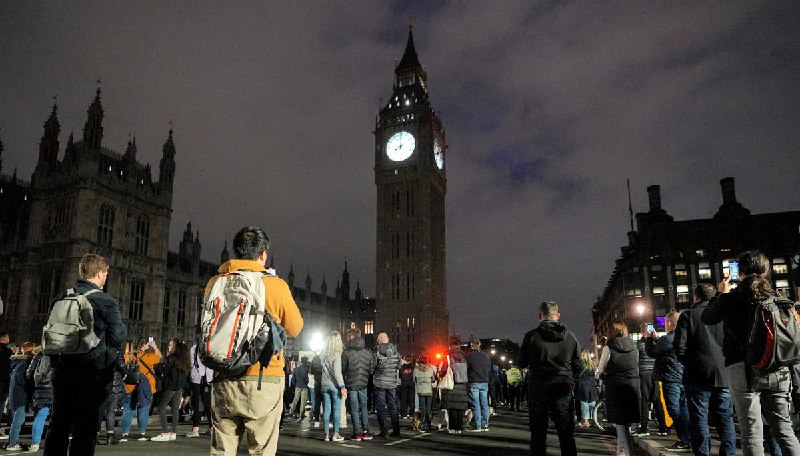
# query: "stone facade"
[[410, 175], [665, 259]]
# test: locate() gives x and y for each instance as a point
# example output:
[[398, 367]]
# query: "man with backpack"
[[251, 402], [82, 381], [755, 391]]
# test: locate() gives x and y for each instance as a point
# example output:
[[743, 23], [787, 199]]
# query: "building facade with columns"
[[665, 259]]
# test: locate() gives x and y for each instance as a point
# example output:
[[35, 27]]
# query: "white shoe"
[[14, 448], [163, 437], [192, 434], [337, 438], [33, 447], [316, 424]]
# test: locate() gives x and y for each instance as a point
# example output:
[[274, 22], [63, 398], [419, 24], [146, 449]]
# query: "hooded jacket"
[[387, 366], [18, 391], [699, 348], [301, 375], [552, 355], [358, 364], [623, 361]]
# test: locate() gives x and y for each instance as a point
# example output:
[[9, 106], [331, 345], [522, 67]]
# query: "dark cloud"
[[548, 108]]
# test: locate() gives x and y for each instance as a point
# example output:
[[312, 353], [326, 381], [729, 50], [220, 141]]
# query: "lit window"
[[681, 273], [700, 253], [779, 266], [658, 290], [408, 102], [703, 271], [682, 288], [368, 327]]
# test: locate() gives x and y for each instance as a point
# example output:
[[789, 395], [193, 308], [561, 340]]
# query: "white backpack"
[[70, 326], [233, 323]]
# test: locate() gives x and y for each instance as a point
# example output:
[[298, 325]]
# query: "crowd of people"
[[695, 372]]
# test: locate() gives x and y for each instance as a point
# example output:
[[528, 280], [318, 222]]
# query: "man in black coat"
[[699, 348], [82, 382], [552, 355], [357, 366]]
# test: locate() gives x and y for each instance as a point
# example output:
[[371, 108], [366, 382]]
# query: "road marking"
[[405, 440], [350, 446]]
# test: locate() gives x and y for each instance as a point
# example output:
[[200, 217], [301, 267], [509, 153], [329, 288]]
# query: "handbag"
[[447, 382], [131, 374]]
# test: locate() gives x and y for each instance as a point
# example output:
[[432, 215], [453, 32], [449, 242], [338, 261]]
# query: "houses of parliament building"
[[93, 199]]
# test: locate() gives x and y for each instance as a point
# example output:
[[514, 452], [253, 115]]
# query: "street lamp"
[[502, 358], [316, 342], [640, 308], [494, 351]]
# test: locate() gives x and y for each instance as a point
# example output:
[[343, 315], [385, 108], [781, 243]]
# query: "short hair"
[[455, 342], [304, 359], [92, 264], [619, 329], [704, 291], [548, 308], [673, 317], [475, 344], [353, 333], [249, 242]]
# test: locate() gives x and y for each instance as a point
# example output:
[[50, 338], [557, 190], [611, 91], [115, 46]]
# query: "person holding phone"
[[139, 398]]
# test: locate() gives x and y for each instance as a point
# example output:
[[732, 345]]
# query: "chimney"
[[654, 194], [728, 191]]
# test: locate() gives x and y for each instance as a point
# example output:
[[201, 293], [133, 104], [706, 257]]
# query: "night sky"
[[548, 108]]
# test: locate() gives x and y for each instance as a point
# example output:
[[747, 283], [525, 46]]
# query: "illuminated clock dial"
[[400, 146], [438, 154]]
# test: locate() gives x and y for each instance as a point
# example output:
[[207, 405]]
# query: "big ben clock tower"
[[411, 179]]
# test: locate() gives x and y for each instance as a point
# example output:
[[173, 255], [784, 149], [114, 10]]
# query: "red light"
[[438, 356]]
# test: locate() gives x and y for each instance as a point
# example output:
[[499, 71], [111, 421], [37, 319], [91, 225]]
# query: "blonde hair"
[[588, 361], [91, 265], [619, 329], [333, 344]]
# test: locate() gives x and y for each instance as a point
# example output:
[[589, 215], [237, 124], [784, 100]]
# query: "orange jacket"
[[278, 302], [151, 359]]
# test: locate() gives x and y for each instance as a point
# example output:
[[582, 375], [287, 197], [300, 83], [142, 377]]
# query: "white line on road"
[[405, 440], [350, 446]]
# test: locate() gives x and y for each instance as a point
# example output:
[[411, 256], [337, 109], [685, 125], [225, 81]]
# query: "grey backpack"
[[70, 326]]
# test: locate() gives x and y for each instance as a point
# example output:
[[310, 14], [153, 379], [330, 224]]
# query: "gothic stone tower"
[[410, 175]]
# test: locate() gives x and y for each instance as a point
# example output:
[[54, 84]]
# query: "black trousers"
[[407, 394], [200, 392], [560, 409], [78, 394]]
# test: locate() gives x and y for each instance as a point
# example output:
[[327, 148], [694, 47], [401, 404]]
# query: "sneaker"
[[33, 447], [316, 424], [663, 433], [486, 429], [366, 436], [680, 447], [14, 448], [458, 431], [163, 437], [124, 438], [192, 434], [394, 434], [141, 438], [337, 438], [327, 438], [357, 438], [452, 431], [641, 432]]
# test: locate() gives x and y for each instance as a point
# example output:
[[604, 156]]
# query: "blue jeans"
[[387, 398], [331, 404], [561, 410], [142, 415], [479, 394], [425, 413], [701, 403], [358, 411], [38, 425], [675, 400], [586, 409], [18, 420]]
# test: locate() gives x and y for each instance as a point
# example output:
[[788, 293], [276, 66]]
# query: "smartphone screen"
[[650, 328], [150, 339], [733, 270]]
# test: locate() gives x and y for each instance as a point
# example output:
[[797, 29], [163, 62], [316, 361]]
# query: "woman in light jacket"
[[333, 390], [424, 377]]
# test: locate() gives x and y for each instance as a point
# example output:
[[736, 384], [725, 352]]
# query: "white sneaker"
[[192, 434], [33, 447], [337, 438], [316, 424], [14, 448], [163, 437]]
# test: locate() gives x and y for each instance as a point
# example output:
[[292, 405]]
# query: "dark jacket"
[[18, 394], [586, 386], [479, 367], [667, 368], [175, 376], [5, 363], [621, 376], [407, 375], [458, 397], [315, 369], [699, 348], [646, 363], [358, 364], [733, 310], [301, 375], [108, 327], [387, 366], [40, 374], [552, 355]]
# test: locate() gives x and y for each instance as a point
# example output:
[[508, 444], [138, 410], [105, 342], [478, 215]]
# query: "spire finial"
[[410, 23], [55, 101]]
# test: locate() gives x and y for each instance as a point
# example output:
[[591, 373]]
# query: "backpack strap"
[[147, 367], [91, 292]]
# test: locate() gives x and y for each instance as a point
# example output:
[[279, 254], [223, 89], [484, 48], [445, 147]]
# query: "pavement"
[[508, 436]]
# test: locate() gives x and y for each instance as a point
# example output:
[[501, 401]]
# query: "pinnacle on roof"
[[410, 59]]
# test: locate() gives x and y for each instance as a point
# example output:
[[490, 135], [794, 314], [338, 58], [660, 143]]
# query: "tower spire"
[[48, 147], [93, 129]]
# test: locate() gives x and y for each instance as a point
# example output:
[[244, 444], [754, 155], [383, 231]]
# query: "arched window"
[[105, 227], [142, 234], [136, 308]]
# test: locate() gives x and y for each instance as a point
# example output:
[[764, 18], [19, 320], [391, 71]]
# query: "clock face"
[[400, 146], [438, 154]]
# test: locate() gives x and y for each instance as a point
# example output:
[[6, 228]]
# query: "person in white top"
[[200, 378]]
